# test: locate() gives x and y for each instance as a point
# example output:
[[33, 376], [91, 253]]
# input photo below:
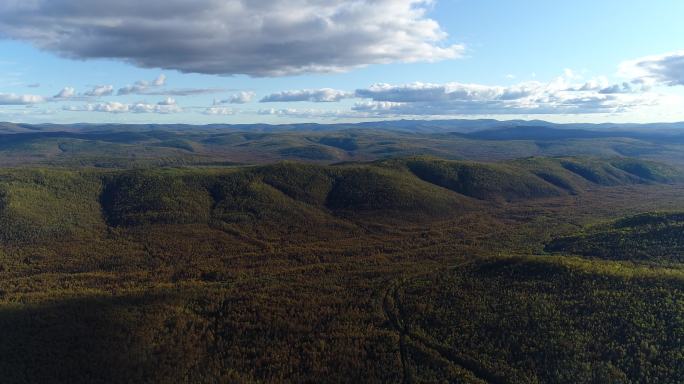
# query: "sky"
[[278, 61]]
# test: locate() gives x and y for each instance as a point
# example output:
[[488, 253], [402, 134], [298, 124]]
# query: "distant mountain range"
[[419, 126], [126, 145], [542, 133]]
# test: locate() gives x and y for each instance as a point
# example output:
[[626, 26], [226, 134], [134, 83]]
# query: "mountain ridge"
[[404, 125]]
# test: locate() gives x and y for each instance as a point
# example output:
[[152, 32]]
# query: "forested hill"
[[125, 146], [43, 203], [425, 126], [413, 269]]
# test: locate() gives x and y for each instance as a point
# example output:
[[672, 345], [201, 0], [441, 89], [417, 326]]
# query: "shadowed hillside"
[[651, 237]]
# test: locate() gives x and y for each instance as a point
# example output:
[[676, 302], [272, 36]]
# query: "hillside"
[[125, 146], [649, 237], [544, 320], [535, 177], [407, 269], [41, 204]]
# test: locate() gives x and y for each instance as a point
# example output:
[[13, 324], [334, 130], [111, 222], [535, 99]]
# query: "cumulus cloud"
[[69, 93], [184, 91], [257, 38], [167, 101], [100, 90], [377, 106], [617, 88], [219, 111], [323, 95], [156, 87], [160, 81], [65, 93], [306, 113], [665, 69], [111, 107], [15, 99], [163, 107], [563, 95], [242, 97], [142, 86]]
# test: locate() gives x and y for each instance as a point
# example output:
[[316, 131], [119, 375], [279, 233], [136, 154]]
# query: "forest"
[[332, 192], [410, 269]]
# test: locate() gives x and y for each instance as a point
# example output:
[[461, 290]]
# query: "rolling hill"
[[414, 269], [649, 237], [43, 203], [125, 146]]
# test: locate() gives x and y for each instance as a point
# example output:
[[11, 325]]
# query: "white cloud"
[[420, 92], [306, 113], [242, 97], [183, 91], [110, 107], [163, 107], [160, 81], [617, 88], [167, 101], [137, 88], [15, 99], [257, 38], [219, 111], [665, 69], [65, 93], [70, 93], [377, 106], [315, 95], [100, 90], [563, 95], [141, 86], [157, 87]]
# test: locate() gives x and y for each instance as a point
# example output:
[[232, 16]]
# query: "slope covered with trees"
[[549, 320], [400, 270], [649, 237]]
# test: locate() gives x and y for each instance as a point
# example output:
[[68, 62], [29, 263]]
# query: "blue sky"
[[589, 61]]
